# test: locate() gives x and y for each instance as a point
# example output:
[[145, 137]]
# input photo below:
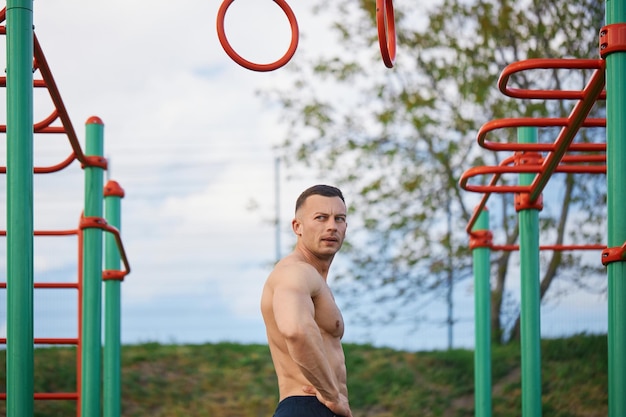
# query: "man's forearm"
[[308, 353]]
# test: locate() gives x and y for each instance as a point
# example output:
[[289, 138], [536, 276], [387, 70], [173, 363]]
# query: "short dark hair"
[[320, 189]]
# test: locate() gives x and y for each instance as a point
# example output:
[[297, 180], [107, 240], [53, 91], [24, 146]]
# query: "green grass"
[[232, 380]]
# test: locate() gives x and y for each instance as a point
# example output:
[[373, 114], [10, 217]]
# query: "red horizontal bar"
[[505, 168], [36, 83], [49, 169], [68, 232], [536, 122], [56, 285], [47, 396], [551, 247], [547, 63], [49, 340]]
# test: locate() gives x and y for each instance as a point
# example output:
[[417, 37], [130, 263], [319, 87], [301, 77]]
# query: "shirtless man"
[[304, 325]]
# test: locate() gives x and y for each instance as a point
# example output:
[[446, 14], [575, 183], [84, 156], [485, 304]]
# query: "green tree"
[[400, 139]]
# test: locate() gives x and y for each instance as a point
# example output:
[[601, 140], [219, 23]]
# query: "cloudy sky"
[[192, 145]]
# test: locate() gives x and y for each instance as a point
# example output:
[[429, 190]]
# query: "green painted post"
[[113, 194], [20, 339], [482, 321], [616, 201], [91, 360], [530, 312]]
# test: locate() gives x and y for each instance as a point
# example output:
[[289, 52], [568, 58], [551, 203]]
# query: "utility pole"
[[277, 205]]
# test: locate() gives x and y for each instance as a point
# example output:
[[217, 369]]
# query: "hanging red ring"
[[221, 34], [386, 31]]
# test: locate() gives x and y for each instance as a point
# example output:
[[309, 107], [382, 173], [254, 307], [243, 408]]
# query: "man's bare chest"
[[327, 314]]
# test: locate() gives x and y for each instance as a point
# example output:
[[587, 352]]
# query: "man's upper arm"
[[292, 302]]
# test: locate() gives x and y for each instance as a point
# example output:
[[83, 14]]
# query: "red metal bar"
[[46, 74], [590, 246], [50, 340], [577, 117], [59, 112], [505, 167], [100, 223], [536, 122], [68, 232], [49, 232], [55, 285], [49, 396], [547, 63]]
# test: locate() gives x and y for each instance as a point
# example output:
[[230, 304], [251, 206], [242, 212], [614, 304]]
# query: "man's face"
[[321, 224]]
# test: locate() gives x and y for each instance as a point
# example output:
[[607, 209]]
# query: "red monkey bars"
[[557, 159], [534, 163]]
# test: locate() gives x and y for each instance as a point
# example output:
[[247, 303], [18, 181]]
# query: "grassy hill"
[[232, 380]]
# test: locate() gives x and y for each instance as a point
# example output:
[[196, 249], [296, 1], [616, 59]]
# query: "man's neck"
[[322, 265]]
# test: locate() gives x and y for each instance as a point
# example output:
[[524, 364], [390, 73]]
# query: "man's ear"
[[296, 226]]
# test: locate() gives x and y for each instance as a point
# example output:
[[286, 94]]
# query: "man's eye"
[[340, 219]]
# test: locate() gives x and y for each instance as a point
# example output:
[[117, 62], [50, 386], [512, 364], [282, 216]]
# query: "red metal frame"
[[58, 122], [59, 113], [525, 159], [73, 341], [557, 160], [100, 223]]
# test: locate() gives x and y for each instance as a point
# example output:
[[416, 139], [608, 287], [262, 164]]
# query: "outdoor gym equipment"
[[295, 34], [534, 171], [28, 69], [385, 24]]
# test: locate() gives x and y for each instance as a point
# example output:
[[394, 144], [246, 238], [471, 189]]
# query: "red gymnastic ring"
[[221, 34], [386, 31]]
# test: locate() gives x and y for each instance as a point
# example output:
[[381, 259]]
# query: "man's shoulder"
[[294, 267], [292, 271]]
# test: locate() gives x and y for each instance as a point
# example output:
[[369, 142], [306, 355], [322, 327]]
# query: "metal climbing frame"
[[25, 60], [534, 171]]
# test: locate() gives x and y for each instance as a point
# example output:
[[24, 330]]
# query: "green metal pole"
[[113, 194], [91, 360], [529, 316], [616, 201], [482, 322], [20, 339]]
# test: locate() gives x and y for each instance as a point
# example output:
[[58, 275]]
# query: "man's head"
[[323, 190], [320, 221]]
